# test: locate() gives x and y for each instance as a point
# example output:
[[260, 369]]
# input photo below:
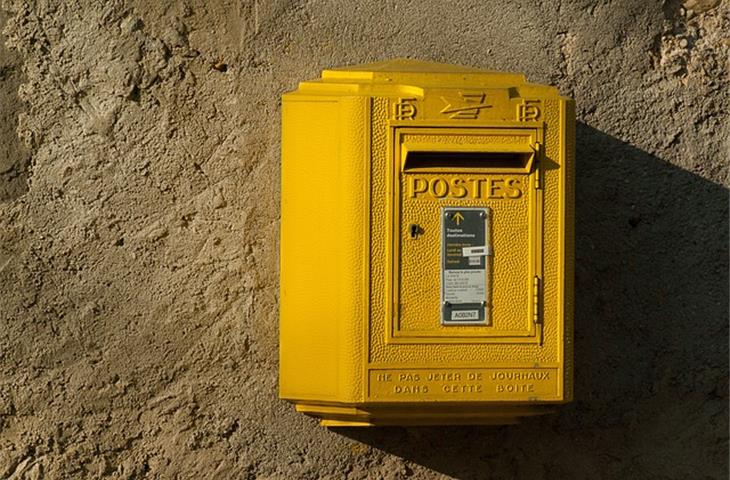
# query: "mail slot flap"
[[491, 157]]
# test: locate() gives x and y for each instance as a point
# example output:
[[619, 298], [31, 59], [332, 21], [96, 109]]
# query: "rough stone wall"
[[139, 156]]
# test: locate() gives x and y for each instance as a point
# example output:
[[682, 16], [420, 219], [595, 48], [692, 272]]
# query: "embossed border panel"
[[531, 135]]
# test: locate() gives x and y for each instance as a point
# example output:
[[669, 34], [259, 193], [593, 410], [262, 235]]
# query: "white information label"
[[461, 315], [465, 286]]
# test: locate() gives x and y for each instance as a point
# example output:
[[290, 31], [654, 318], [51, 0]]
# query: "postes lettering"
[[489, 188]]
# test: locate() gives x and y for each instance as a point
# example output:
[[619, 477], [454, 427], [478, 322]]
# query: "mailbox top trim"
[[415, 78], [405, 67]]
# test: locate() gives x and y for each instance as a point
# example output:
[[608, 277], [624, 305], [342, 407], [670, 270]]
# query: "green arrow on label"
[[458, 218]]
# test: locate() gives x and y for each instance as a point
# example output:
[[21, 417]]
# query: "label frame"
[[484, 308]]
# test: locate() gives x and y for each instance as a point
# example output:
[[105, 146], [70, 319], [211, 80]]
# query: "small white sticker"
[[465, 315], [475, 251]]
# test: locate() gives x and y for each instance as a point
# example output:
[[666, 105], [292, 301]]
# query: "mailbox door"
[[466, 235]]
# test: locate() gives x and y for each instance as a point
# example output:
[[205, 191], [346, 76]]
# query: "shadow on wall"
[[651, 338]]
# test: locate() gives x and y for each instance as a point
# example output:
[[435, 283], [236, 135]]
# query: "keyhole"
[[414, 230]]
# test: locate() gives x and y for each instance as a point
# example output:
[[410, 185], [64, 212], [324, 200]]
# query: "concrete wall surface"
[[139, 186]]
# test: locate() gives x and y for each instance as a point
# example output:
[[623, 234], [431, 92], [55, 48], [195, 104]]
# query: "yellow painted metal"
[[371, 155]]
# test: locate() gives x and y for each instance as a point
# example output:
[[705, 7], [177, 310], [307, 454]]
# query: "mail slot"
[[426, 257]]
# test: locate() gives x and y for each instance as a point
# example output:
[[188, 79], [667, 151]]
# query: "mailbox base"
[[418, 414]]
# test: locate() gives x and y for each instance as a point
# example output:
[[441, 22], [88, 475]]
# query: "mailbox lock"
[[414, 230]]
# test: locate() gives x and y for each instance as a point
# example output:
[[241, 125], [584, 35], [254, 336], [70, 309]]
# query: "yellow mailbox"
[[426, 246]]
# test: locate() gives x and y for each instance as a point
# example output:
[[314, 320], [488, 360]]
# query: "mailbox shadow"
[[651, 338]]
